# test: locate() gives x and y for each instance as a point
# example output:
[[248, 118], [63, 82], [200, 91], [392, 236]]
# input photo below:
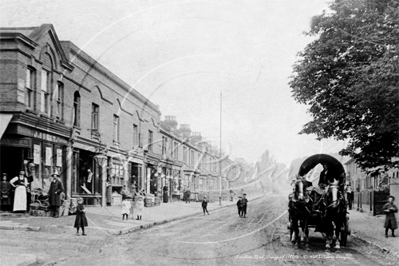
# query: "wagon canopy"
[[333, 164]]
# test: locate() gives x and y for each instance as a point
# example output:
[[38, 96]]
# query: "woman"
[[109, 192], [20, 183], [390, 221]]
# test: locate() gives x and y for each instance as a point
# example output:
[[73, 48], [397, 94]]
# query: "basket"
[[34, 206]]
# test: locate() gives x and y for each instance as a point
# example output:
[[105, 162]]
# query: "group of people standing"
[[16, 195], [130, 207]]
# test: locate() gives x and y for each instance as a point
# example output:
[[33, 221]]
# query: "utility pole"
[[220, 152]]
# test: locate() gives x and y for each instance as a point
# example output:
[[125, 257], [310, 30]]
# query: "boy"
[[205, 205], [239, 205]]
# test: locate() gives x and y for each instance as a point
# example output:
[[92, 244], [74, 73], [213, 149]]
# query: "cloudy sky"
[[183, 54]]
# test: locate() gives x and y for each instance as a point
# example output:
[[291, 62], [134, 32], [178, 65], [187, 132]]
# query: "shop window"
[[76, 109], [45, 92], [117, 174], [30, 87], [95, 114]]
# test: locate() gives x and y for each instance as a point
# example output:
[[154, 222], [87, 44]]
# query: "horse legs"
[[294, 228], [338, 237]]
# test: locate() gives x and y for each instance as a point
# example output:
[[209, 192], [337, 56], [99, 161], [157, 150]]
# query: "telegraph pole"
[[220, 152]]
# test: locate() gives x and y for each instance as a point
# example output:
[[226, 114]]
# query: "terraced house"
[[62, 111]]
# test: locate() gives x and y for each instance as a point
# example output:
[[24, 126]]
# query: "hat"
[[55, 174], [390, 196], [80, 199]]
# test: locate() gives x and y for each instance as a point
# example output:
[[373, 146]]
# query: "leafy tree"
[[349, 77]]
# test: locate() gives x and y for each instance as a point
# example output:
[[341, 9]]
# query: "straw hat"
[[390, 196], [80, 200], [55, 174]]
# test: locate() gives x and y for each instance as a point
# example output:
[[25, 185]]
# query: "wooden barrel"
[[148, 202]]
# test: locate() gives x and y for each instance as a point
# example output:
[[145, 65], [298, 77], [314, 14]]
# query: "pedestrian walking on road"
[[244, 202], [80, 220], [390, 220], [205, 205], [239, 205]]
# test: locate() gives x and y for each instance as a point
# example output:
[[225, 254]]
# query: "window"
[[191, 158], [116, 128], [59, 98], [117, 174], [185, 154], [199, 161], [164, 141], [30, 86], [150, 138], [140, 140], [95, 109], [45, 87], [176, 150], [76, 109], [135, 135]]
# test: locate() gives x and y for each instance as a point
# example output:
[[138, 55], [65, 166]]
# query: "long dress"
[[20, 193], [125, 206], [80, 220], [390, 220], [139, 205]]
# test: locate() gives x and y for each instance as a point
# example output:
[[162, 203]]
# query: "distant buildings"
[[61, 111]]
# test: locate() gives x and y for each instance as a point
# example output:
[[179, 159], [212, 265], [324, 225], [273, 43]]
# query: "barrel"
[[148, 202]]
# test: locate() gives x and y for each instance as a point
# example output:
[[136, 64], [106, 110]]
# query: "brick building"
[[64, 112]]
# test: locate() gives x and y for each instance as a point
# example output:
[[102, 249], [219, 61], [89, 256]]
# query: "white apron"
[[20, 199]]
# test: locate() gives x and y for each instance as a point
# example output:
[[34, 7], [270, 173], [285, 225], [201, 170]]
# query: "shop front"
[[37, 152]]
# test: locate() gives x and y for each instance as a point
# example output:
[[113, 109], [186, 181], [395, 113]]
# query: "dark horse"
[[299, 210], [334, 218]]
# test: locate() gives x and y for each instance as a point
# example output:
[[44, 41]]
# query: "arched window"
[[76, 109]]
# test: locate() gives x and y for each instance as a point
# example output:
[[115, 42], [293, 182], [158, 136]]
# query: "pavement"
[[108, 220]]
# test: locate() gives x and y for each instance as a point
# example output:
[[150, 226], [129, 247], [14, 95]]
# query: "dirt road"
[[221, 238]]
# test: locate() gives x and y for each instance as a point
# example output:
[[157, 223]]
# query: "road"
[[221, 238]]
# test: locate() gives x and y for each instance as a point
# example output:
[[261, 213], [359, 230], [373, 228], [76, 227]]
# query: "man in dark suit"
[[326, 177], [54, 195]]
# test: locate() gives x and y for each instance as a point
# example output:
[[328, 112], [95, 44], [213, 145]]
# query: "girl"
[[125, 209], [390, 220], [80, 220]]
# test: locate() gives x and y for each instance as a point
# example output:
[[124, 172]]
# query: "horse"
[[334, 218], [299, 210]]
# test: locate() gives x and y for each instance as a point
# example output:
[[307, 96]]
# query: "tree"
[[349, 77]]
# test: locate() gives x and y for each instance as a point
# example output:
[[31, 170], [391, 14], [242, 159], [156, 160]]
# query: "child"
[[138, 206], [390, 220], [239, 207], [205, 205], [244, 202], [80, 220], [125, 209]]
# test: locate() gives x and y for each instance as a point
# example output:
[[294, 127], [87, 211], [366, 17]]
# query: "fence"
[[370, 201]]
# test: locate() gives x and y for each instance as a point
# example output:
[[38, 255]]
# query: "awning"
[[4, 121]]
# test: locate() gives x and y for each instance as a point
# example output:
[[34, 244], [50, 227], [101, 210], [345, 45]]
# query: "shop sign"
[[25, 143], [49, 155], [45, 136], [59, 157], [36, 154]]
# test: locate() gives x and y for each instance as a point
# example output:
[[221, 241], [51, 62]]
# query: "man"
[[349, 195], [326, 177], [54, 195], [244, 202]]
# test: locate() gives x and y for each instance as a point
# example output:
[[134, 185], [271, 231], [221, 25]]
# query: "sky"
[[197, 60]]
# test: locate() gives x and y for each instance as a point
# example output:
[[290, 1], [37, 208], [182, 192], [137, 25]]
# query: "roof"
[[314, 160]]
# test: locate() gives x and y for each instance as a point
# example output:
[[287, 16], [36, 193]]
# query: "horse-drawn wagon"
[[322, 208]]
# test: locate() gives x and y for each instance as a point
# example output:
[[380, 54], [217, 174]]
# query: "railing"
[[370, 201]]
